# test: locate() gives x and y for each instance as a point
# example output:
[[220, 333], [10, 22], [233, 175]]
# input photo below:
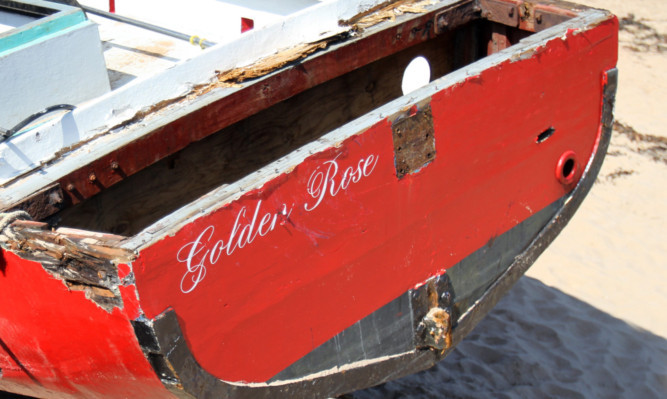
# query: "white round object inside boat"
[[417, 74]]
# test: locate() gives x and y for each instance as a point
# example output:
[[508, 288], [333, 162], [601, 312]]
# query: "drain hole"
[[545, 135], [566, 170]]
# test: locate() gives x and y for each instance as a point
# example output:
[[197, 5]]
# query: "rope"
[[6, 219]]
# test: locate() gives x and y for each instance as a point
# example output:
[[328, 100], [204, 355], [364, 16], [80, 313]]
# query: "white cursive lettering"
[[206, 250], [325, 180], [197, 256]]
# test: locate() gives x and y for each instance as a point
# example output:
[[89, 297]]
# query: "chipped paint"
[[83, 261]]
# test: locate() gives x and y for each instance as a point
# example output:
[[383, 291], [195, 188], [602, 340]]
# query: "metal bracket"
[[436, 329], [434, 319], [505, 12]]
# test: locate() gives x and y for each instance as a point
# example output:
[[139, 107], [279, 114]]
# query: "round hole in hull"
[[567, 168]]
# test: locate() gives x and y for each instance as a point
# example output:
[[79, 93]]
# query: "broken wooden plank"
[[84, 261]]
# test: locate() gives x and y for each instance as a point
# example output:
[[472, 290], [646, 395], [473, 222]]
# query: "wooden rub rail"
[[84, 261]]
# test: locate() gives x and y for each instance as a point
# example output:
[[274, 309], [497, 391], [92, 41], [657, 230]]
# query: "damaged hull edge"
[[354, 258]]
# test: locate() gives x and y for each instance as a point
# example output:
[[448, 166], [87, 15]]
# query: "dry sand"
[[589, 320]]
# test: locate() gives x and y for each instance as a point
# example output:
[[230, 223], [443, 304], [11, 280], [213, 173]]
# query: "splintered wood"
[[388, 13], [84, 261], [271, 63], [281, 58]]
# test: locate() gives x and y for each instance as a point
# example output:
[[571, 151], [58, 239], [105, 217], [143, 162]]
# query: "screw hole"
[[545, 135]]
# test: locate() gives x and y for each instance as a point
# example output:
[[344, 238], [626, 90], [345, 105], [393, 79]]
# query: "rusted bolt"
[[266, 90], [445, 297], [70, 187], [101, 274], [114, 165], [436, 329], [442, 22], [55, 198], [92, 178]]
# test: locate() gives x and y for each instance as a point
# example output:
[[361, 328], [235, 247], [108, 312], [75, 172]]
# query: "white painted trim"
[[225, 194]]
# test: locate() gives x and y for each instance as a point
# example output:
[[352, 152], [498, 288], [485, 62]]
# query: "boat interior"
[[384, 55]]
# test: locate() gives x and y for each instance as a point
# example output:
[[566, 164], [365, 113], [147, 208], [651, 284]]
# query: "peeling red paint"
[[59, 341], [123, 271], [131, 305]]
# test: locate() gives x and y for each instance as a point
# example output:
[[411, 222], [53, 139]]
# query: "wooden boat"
[[241, 222]]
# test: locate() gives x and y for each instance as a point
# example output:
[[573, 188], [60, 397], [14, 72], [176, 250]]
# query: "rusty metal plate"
[[505, 12], [414, 141]]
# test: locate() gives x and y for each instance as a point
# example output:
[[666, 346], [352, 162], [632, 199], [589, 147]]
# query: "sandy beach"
[[588, 320]]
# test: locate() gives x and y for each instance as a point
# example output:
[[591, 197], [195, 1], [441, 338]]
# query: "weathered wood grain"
[[248, 145], [84, 261]]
